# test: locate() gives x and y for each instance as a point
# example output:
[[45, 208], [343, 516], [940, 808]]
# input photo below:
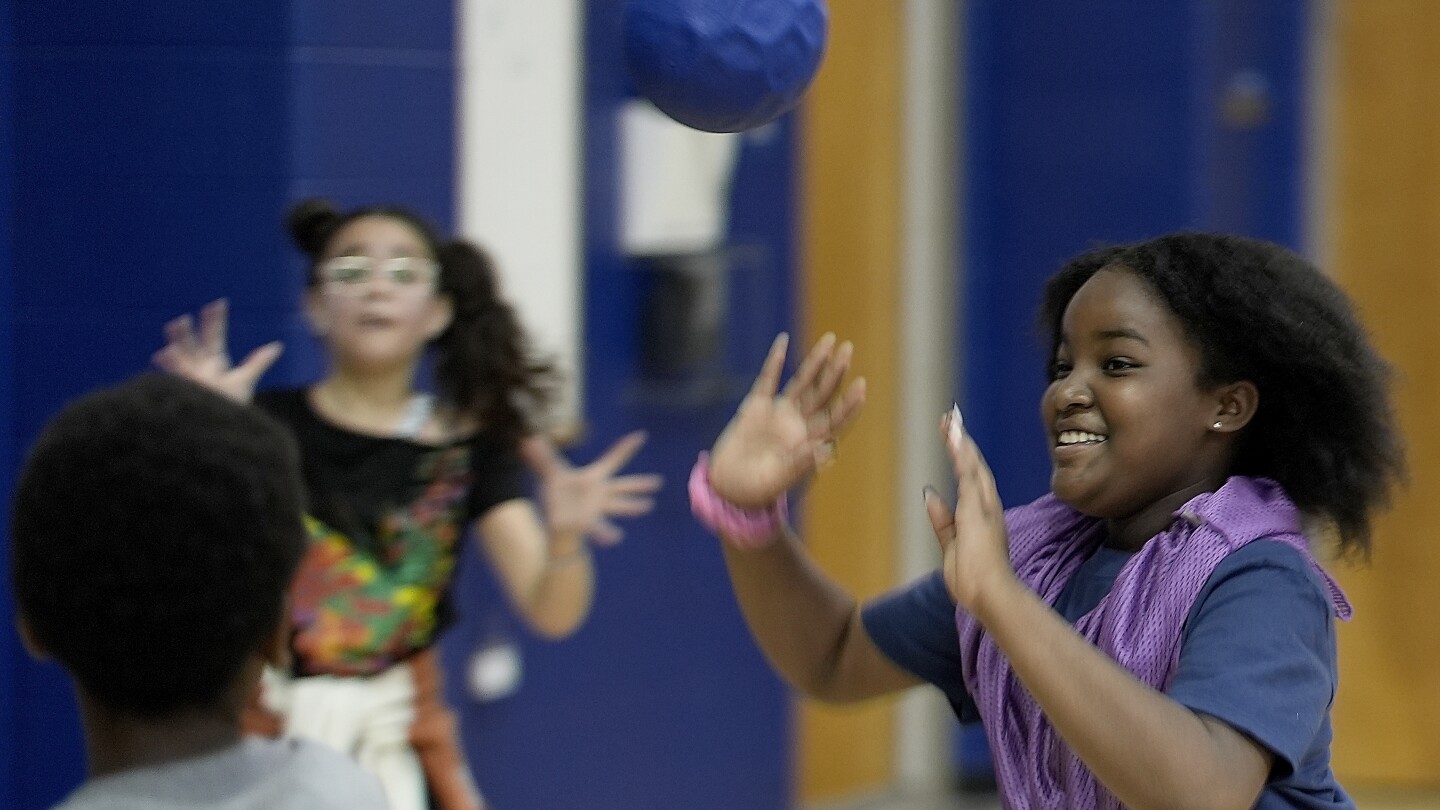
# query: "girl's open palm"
[[203, 357], [775, 441], [583, 500], [973, 539]]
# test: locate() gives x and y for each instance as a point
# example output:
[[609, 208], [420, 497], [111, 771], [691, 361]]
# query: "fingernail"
[[957, 424]]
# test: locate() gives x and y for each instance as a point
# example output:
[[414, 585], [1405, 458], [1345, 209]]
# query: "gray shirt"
[[256, 773]]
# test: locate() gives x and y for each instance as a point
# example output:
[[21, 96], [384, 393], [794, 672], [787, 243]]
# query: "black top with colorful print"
[[385, 519]]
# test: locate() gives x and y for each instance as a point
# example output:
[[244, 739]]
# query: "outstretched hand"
[[973, 539], [775, 441], [582, 500], [203, 357]]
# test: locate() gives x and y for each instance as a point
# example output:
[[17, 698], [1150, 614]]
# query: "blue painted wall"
[[10, 654], [148, 154], [142, 182]]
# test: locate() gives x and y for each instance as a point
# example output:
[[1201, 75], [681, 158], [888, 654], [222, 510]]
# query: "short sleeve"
[[498, 474], [1259, 651], [914, 626]]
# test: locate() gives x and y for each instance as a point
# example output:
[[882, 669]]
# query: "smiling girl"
[[1156, 631], [397, 472]]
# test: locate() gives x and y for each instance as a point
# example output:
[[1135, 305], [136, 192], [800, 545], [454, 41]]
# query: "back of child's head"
[[484, 365], [156, 527], [1324, 428]]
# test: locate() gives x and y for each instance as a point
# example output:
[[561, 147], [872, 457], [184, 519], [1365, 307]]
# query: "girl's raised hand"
[[776, 440], [203, 357], [973, 539], [582, 500]]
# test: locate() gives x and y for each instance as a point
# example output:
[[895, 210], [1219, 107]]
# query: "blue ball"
[[724, 65]]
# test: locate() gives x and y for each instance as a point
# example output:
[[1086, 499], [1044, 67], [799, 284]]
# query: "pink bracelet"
[[743, 528]]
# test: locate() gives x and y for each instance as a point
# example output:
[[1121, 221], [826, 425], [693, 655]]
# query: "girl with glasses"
[[398, 471]]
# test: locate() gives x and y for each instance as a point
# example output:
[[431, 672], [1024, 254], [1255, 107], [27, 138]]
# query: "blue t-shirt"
[[1258, 653]]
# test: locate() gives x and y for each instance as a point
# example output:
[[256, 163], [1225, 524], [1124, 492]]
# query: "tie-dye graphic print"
[[357, 612]]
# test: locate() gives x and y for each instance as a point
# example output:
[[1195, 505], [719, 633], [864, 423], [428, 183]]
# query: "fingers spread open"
[[955, 441], [606, 533], [213, 325], [942, 519], [167, 360], [180, 332], [985, 482], [844, 410], [259, 361], [810, 368], [628, 505], [827, 382], [637, 484], [620, 453], [976, 492], [768, 381]]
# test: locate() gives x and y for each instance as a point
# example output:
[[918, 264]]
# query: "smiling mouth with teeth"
[[1071, 437]]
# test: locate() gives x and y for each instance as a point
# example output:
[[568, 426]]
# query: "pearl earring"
[[1218, 425]]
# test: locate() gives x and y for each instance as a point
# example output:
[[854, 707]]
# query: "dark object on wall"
[[683, 313]]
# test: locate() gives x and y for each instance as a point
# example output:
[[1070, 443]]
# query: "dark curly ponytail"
[[484, 365]]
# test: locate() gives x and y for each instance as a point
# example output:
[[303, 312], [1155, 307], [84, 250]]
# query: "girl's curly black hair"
[[1325, 429], [484, 366]]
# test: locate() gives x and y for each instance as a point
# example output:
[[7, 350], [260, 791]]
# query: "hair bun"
[[310, 222]]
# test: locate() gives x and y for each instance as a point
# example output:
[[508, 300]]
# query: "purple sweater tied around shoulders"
[[1139, 623]]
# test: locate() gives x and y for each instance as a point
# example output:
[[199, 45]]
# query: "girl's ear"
[[315, 314], [1235, 406], [442, 314]]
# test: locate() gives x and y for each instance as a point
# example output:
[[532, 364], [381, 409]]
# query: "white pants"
[[368, 718]]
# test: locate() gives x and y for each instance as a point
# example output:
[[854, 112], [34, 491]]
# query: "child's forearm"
[[808, 625], [560, 597], [1147, 749]]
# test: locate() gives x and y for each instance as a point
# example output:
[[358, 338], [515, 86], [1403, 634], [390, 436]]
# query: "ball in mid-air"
[[724, 65]]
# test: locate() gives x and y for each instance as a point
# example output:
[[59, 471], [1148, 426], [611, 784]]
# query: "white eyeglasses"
[[402, 271]]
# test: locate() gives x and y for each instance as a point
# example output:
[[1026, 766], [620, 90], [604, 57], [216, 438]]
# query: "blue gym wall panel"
[[11, 655], [424, 27], [1252, 173]]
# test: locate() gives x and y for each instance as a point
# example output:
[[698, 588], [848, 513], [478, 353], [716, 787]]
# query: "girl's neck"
[[1133, 532], [373, 402]]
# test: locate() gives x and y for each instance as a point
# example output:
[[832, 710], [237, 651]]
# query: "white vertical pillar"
[[929, 337], [520, 148]]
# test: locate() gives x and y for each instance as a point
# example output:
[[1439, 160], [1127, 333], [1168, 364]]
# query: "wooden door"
[[1382, 226]]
